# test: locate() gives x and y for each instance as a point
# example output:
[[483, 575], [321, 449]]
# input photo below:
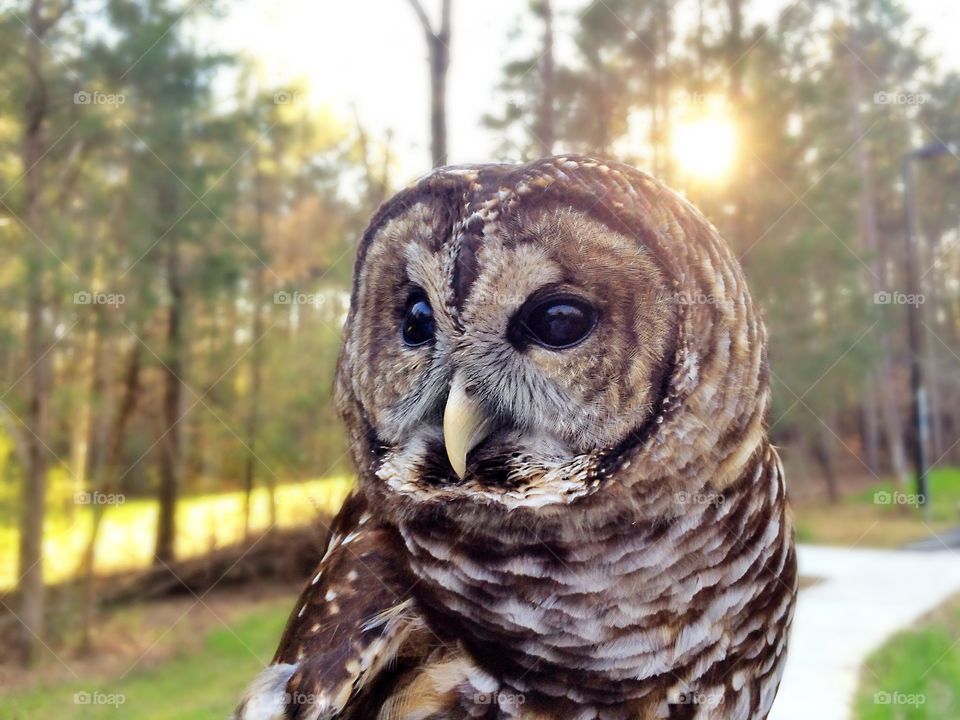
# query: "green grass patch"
[[192, 686], [944, 495], [916, 675], [128, 531]]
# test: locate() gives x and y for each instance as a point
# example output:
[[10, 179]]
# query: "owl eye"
[[418, 326], [559, 322]]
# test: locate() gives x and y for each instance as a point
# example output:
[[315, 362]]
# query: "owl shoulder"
[[351, 622]]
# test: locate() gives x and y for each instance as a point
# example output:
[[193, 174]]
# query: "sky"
[[369, 56]]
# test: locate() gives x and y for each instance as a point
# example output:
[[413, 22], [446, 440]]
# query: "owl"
[[555, 383]]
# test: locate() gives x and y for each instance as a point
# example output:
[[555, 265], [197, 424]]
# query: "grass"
[[193, 685], [881, 517], [916, 675], [128, 530]]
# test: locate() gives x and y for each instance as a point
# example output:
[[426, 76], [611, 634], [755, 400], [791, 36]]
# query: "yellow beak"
[[464, 424]]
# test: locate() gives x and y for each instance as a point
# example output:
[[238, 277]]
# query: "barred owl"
[[555, 385]]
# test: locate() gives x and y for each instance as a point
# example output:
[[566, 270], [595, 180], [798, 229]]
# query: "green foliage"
[[253, 194]]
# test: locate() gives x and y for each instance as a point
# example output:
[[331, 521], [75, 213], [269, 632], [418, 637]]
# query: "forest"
[[179, 234]]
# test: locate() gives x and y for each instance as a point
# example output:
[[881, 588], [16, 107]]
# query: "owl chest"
[[542, 620], [620, 621]]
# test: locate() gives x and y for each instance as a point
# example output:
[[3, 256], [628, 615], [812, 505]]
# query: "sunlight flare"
[[705, 147]]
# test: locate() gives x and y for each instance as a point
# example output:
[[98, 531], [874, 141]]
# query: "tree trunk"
[[253, 414], [38, 380], [869, 425], [35, 476], [735, 50], [256, 362], [869, 237], [824, 459], [926, 251], [106, 452], [439, 64], [660, 91], [89, 410], [738, 182], [438, 52], [170, 446], [545, 133]]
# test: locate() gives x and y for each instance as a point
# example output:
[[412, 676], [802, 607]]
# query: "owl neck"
[[601, 610]]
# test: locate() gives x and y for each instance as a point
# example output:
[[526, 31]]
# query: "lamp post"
[[918, 390]]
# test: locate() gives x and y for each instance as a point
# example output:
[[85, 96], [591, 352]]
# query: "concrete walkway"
[[865, 596], [937, 542]]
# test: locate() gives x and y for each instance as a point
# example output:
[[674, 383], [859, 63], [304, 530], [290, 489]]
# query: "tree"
[[813, 144], [544, 132], [43, 18], [169, 82], [868, 228], [438, 54]]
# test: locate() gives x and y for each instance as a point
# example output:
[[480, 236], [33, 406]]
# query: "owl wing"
[[353, 624]]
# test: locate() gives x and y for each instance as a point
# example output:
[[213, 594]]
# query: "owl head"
[[523, 337]]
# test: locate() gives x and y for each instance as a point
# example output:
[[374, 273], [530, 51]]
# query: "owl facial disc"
[[506, 334]]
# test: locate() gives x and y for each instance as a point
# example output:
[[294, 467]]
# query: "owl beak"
[[464, 424]]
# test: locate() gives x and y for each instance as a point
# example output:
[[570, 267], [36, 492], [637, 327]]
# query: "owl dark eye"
[[418, 326], [559, 322]]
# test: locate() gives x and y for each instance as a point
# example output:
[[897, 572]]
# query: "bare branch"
[[422, 16]]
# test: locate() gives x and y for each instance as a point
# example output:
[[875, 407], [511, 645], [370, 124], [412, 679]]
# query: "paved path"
[[865, 596], [948, 538]]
